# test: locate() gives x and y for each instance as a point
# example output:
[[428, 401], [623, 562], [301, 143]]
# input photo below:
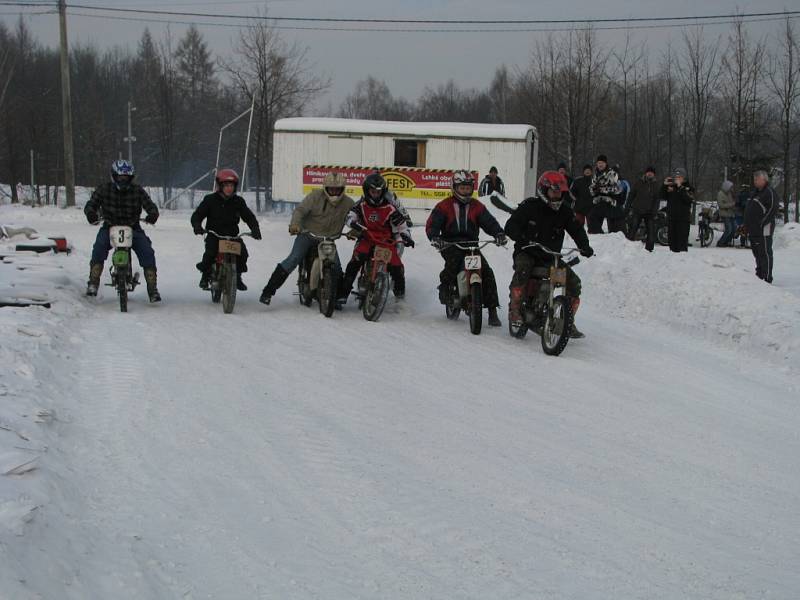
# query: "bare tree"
[[280, 78], [372, 99], [699, 73], [784, 81]]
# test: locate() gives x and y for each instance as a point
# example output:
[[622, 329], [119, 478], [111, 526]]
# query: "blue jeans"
[[302, 244], [730, 230], [141, 246]]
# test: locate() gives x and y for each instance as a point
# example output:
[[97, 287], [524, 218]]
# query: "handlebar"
[[323, 238], [229, 237], [569, 251], [468, 245]]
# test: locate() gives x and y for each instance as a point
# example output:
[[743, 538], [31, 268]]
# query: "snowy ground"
[[176, 452]]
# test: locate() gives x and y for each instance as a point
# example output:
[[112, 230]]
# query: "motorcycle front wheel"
[[122, 289], [476, 308], [377, 294], [327, 291], [228, 283], [557, 326]]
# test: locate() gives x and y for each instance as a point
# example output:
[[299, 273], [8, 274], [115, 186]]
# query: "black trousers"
[[599, 213], [649, 226], [524, 264], [210, 255], [396, 272], [761, 246], [678, 235], [454, 262]]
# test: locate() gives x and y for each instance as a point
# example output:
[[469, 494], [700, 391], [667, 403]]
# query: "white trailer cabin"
[[415, 158]]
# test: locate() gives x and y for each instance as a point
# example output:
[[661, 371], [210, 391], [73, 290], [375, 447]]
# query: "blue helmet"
[[122, 173]]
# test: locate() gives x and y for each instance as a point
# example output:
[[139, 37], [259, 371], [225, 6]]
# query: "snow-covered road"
[[274, 453]]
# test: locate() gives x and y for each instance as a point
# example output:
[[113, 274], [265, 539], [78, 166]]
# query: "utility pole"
[[66, 107], [130, 139], [33, 183]]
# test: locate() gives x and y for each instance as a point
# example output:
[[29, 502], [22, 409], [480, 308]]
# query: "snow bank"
[[709, 293]]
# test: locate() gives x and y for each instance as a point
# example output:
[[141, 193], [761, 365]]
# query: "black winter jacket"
[[119, 207], [679, 201], [222, 214], [583, 196], [760, 212], [534, 221], [644, 197], [486, 188]]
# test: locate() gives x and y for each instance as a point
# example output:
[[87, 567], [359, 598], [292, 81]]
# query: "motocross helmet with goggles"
[[333, 185], [122, 173], [551, 187], [227, 176], [463, 177], [373, 182]]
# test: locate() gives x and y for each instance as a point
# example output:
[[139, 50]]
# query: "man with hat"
[[644, 207], [492, 184], [679, 196], [605, 195]]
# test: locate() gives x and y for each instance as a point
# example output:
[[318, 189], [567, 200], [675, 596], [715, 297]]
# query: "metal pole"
[[130, 139], [247, 143], [219, 143], [66, 107], [33, 184]]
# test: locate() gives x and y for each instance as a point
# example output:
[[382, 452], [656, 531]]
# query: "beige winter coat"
[[725, 201], [317, 214]]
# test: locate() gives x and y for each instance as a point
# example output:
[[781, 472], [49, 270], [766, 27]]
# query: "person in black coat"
[[644, 207], [492, 184], [222, 211], [544, 218], [679, 195], [580, 191], [759, 221]]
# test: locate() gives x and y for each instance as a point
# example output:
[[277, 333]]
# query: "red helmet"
[[225, 176], [551, 180]]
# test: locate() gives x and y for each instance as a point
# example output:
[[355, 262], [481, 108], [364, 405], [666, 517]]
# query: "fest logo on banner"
[[408, 183]]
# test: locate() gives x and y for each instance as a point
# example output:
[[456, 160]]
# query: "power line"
[[395, 30], [481, 22]]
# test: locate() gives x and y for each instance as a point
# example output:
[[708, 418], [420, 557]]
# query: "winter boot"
[[399, 288], [515, 306], [345, 287], [240, 284], [205, 280], [276, 280], [150, 278], [575, 334], [95, 272], [494, 320]]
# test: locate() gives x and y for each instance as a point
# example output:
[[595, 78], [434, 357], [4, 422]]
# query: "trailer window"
[[409, 153]]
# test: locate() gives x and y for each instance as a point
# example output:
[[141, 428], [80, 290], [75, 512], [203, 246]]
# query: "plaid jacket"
[[118, 207]]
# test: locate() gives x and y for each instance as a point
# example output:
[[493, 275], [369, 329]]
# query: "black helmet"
[[374, 181]]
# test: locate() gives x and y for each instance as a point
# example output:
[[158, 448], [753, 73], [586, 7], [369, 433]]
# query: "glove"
[[151, 218], [294, 229], [437, 243], [199, 230], [92, 217], [407, 241], [500, 239], [256, 233], [587, 252]]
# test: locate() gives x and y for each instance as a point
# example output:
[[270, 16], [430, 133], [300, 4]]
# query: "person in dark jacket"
[[492, 184], [562, 168], [605, 195], [222, 211], [582, 195], [644, 207], [544, 219], [759, 221], [679, 196], [459, 218], [120, 202]]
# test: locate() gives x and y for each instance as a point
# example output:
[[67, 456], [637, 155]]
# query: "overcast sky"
[[407, 61]]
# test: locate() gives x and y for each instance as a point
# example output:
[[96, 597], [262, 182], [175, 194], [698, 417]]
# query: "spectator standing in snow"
[[583, 196], [727, 204], [644, 206], [759, 220], [605, 195], [679, 196], [492, 184]]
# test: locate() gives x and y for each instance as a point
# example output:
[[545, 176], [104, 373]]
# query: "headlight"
[[327, 249]]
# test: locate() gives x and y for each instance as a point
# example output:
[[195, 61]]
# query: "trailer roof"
[[402, 128]]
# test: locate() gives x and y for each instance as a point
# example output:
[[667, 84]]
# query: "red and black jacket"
[[455, 221]]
